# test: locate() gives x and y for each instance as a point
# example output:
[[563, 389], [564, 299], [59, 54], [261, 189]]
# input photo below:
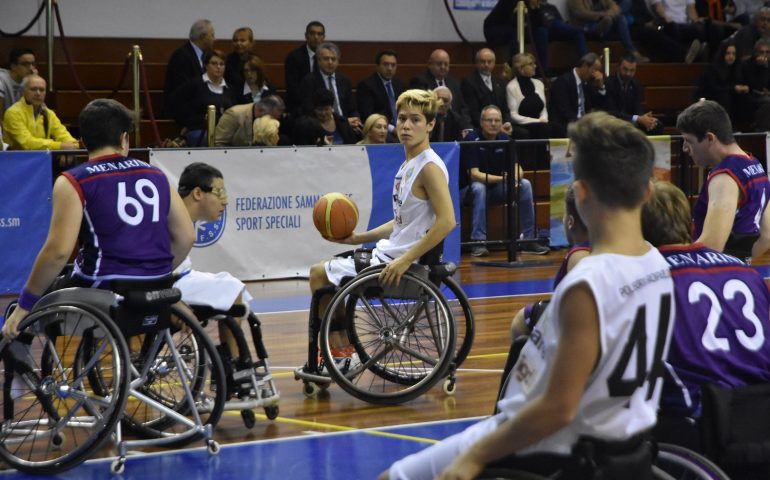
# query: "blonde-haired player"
[[422, 208]]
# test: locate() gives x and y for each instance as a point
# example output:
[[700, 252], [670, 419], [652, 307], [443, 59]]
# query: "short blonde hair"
[[425, 101], [369, 123], [519, 60], [266, 130]]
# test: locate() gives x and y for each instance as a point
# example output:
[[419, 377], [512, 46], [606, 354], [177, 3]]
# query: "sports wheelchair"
[[640, 459], [249, 383], [89, 362], [407, 336]]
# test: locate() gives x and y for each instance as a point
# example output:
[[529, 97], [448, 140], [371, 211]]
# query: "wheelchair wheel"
[[463, 314], [54, 417], [404, 337], [153, 359], [683, 464]]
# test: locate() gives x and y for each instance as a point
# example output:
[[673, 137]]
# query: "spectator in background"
[[378, 92], [483, 181], [22, 63], [243, 48], [186, 64], [309, 132], [755, 72], [526, 101], [720, 81], [327, 78], [194, 97], [30, 125], [448, 127], [375, 130], [336, 129], [526, 97], [604, 19], [482, 88], [576, 93], [747, 37], [255, 86], [680, 21], [624, 98], [646, 30], [235, 128], [547, 25], [301, 61], [437, 75], [266, 131]]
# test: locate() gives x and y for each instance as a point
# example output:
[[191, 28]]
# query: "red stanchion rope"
[[71, 64], [148, 102], [29, 25]]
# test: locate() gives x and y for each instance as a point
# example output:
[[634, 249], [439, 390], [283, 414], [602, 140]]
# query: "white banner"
[[267, 229]]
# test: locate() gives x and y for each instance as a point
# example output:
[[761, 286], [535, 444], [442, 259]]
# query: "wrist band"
[[27, 300]]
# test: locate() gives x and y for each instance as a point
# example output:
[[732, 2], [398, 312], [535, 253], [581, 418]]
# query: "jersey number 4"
[[130, 210], [618, 385]]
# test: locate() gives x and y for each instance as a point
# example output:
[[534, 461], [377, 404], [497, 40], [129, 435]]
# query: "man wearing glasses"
[[22, 63], [203, 192]]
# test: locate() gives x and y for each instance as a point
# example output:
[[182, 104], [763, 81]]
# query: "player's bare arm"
[[180, 228], [723, 202], [574, 362], [62, 237]]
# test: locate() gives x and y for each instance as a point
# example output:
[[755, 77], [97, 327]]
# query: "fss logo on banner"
[[207, 233]]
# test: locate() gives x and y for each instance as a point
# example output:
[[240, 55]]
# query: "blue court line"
[[475, 290], [351, 455]]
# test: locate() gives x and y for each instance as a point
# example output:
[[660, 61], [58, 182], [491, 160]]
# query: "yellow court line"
[[488, 355], [341, 428]]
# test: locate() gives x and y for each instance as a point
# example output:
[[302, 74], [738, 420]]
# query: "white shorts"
[[216, 290], [339, 268], [427, 464]]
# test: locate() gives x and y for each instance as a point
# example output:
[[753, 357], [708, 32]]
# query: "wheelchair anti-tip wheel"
[[54, 417], [403, 335]]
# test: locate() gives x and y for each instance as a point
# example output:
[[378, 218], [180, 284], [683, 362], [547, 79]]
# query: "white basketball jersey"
[[634, 298], [412, 216]]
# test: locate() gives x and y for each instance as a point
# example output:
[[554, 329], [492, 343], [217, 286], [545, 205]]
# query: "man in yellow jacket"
[[30, 125]]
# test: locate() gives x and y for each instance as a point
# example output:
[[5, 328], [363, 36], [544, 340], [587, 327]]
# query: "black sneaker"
[[479, 251], [535, 248]]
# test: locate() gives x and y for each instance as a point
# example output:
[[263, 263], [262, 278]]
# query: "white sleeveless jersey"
[[634, 300], [412, 216]]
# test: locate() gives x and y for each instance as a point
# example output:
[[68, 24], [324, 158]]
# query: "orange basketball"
[[335, 215]]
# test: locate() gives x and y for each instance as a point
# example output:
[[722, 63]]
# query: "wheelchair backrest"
[[146, 306], [735, 425]]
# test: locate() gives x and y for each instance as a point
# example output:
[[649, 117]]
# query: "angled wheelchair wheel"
[[54, 416], [165, 361], [463, 314], [404, 336], [679, 463]]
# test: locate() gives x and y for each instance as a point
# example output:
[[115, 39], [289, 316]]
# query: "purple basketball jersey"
[[755, 192], [722, 326], [124, 232], [582, 246]]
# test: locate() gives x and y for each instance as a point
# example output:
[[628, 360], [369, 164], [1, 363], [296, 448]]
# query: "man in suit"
[[372, 94], [187, 62], [326, 77], [235, 128], [624, 98], [301, 61], [482, 88], [575, 93], [448, 123], [437, 75]]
